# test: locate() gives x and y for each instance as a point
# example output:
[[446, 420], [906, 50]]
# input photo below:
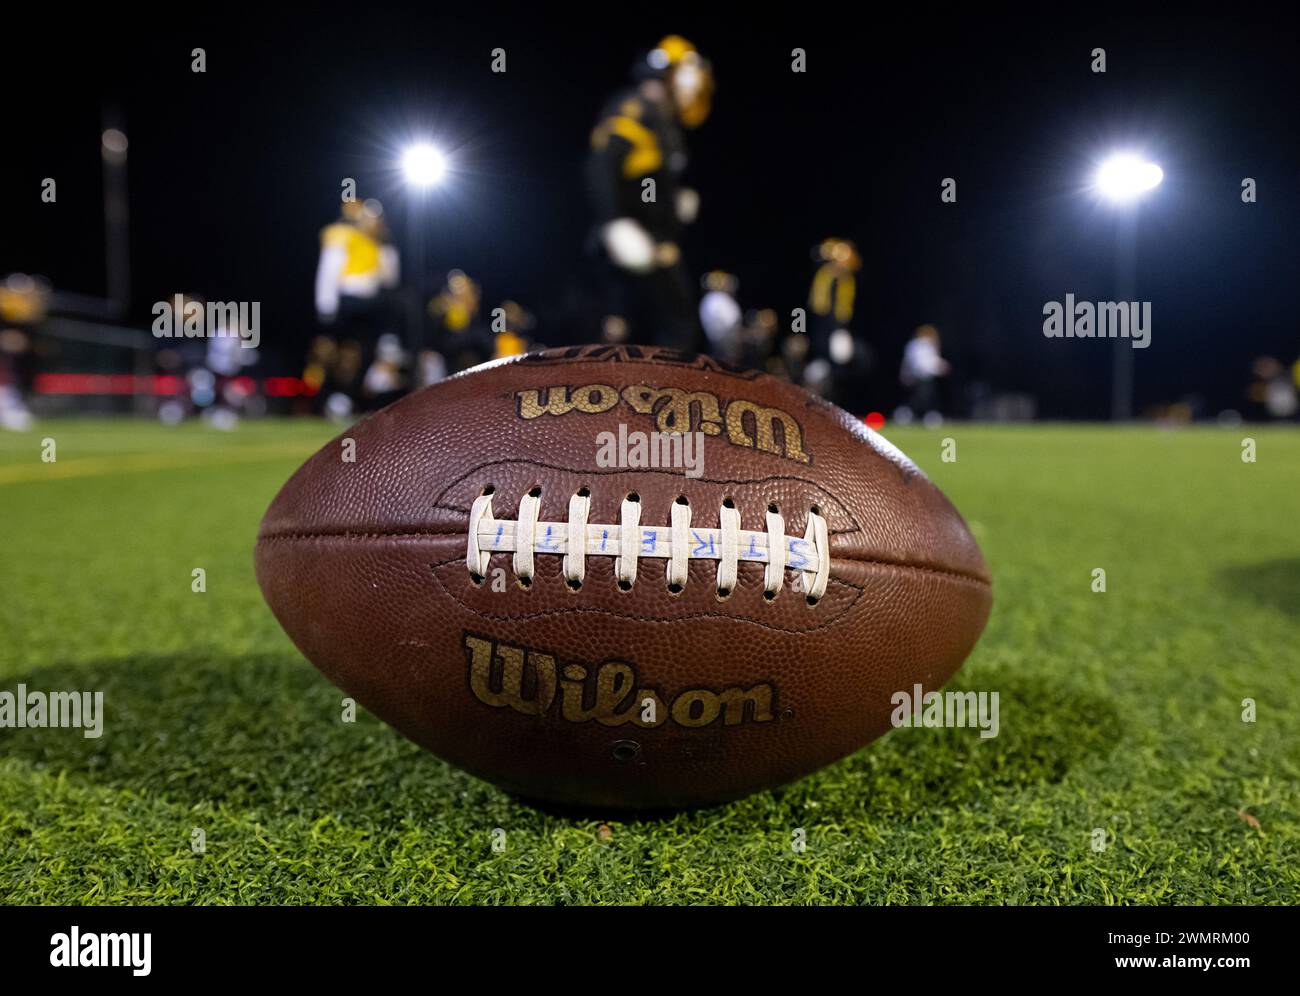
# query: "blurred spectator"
[[15, 350], [921, 369], [23, 300], [758, 339], [430, 368], [1274, 388], [720, 315]]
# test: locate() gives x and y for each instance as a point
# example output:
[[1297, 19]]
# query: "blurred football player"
[[228, 358], [318, 372], [185, 359], [458, 333], [511, 323], [642, 208], [385, 378], [834, 289], [794, 357], [838, 361], [358, 265]]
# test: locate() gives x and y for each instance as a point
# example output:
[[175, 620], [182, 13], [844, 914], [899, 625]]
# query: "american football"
[[623, 576]]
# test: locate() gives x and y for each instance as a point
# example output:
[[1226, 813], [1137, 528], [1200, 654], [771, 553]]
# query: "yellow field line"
[[137, 463]]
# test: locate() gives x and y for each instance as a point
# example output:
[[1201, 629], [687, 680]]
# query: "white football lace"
[[629, 542]]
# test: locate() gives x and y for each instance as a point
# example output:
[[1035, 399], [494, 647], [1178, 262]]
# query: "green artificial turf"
[[1120, 711]]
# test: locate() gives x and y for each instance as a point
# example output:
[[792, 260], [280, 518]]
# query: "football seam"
[[821, 626], [408, 534], [441, 502]]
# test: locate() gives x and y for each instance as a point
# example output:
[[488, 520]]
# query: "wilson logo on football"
[[606, 694], [747, 424]]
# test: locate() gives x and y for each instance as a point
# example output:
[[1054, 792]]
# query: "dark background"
[[233, 172]]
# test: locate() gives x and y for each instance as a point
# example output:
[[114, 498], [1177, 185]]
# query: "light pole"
[[1122, 180], [424, 167], [113, 146]]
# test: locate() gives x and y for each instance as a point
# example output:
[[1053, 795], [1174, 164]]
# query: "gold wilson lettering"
[[532, 683], [745, 423]]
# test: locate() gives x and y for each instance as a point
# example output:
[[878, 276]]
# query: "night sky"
[[233, 172]]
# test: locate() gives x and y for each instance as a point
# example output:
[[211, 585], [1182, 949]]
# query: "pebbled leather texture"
[[638, 698]]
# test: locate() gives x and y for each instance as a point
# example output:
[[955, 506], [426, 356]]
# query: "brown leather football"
[[623, 576]]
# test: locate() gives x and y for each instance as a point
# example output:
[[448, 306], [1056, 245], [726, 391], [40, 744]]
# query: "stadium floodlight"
[[424, 165], [1123, 177], [113, 144]]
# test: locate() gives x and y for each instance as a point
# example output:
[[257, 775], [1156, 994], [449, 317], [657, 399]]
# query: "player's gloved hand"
[[688, 205], [841, 346], [629, 245], [667, 254]]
